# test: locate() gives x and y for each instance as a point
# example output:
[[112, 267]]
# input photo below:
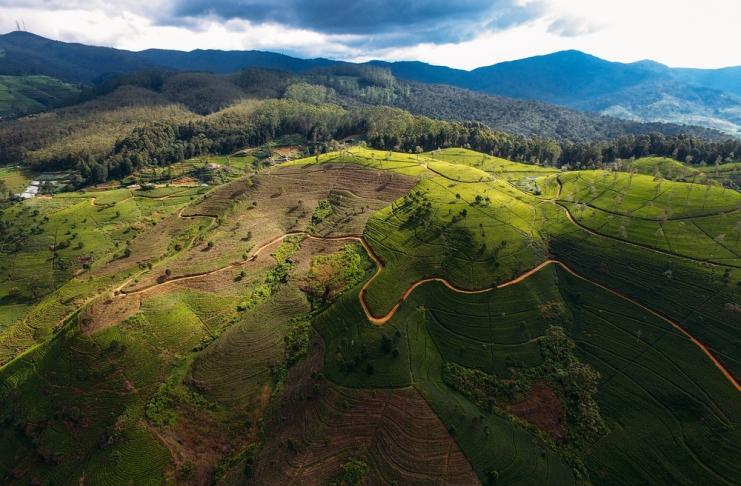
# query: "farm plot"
[[493, 331], [315, 427], [57, 252], [487, 163], [251, 213], [666, 168], [641, 196], [236, 369], [457, 172], [710, 238], [496, 447], [497, 330], [79, 392], [728, 174], [394, 431], [401, 163], [15, 179], [172, 359]]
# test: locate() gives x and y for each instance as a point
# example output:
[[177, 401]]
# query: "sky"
[[463, 34]]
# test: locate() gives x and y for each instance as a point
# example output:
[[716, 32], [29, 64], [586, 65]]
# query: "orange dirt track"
[[384, 319]]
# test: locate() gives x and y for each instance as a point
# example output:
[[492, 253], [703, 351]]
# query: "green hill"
[[370, 312], [726, 174], [23, 95]]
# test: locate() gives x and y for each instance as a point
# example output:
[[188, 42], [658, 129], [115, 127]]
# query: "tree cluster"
[[253, 123]]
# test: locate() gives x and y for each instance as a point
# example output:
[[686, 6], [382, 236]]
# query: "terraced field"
[[393, 429], [521, 325]]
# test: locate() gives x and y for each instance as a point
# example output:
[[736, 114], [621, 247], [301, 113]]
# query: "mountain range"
[[640, 91], [643, 91]]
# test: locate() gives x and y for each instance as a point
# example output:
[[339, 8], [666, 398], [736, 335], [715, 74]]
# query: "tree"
[[99, 173]]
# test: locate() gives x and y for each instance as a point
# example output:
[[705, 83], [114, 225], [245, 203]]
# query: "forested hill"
[[643, 91], [158, 117], [352, 85]]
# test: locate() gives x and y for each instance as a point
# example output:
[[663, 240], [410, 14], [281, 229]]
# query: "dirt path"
[[390, 314], [191, 216], [254, 255], [382, 320], [727, 374]]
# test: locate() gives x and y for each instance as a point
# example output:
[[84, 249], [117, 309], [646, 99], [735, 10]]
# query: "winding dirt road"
[[390, 314], [379, 268]]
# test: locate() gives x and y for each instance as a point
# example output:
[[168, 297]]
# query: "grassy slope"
[[15, 179], [22, 95], [217, 362], [665, 167], [669, 280], [96, 229], [672, 417], [728, 173]]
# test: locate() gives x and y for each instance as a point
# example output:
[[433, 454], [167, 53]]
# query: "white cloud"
[[677, 33], [129, 30], [572, 27]]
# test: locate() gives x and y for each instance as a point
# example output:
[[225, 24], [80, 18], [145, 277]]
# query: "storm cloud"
[[374, 22]]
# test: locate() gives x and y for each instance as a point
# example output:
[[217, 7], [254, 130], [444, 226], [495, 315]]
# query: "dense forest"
[[350, 85], [159, 117], [384, 128]]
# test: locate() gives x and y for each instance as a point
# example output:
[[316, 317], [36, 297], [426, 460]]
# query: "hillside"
[[242, 268], [642, 91], [23, 95], [156, 118], [88, 131], [370, 315]]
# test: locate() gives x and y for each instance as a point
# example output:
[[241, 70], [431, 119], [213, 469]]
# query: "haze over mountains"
[[643, 91]]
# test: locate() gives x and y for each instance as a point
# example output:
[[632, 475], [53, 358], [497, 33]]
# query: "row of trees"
[[163, 143]]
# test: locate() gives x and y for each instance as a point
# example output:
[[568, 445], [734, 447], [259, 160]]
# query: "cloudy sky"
[[462, 33]]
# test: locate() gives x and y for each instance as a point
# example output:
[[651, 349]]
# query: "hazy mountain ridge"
[[706, 97], [27, 53]]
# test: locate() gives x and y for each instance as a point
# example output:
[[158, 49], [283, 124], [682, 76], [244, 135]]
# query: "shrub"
[[353, 473]]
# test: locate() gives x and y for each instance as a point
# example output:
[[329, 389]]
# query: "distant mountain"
[[565, 78], [640, 91], [643, 91], [725, 79], [24, 53]]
